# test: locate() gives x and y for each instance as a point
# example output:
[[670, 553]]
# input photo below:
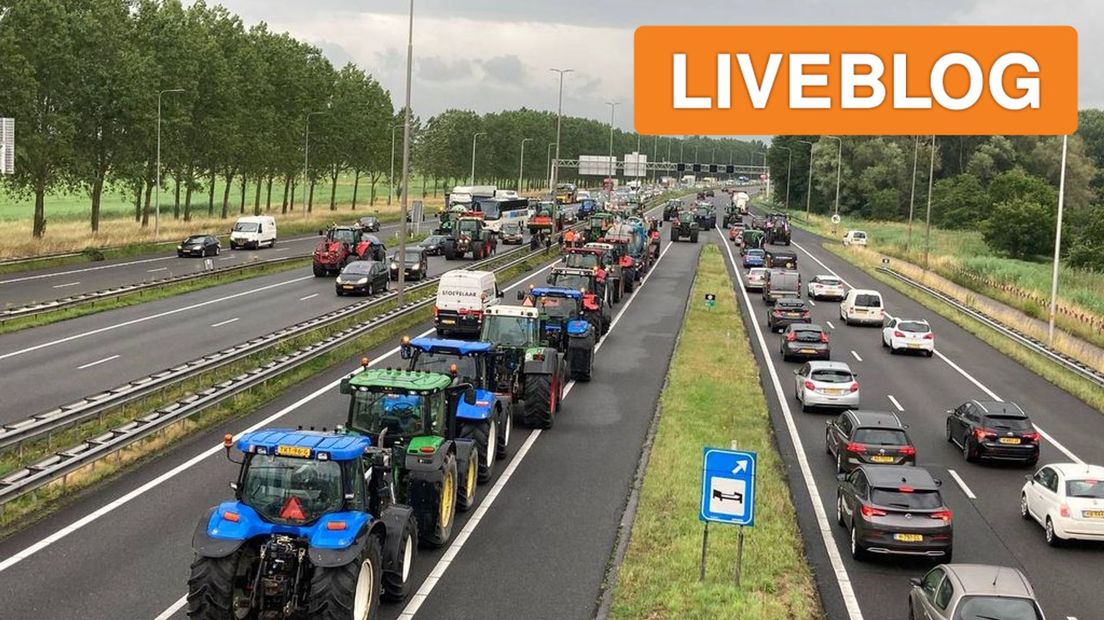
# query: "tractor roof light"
[[227, 441], [406, 341], [364, 361]]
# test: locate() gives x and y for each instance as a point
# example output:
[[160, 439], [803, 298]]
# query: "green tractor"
[[685, 226], [540, 370], [469, 235], [416, 415]]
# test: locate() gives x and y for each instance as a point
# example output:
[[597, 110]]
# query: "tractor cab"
[[594, 289], [599, 223], [582, 258], [566, 326], [400, 405], [547, 218], [469, 360]]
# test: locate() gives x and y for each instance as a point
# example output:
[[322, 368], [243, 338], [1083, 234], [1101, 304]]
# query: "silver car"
[[755, 278], [826, 384], [973, 591]]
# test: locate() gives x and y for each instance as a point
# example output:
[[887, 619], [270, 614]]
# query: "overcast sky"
[[489, 55]]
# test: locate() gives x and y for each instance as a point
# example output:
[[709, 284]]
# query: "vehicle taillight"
[[805, 314], [462, 311], [870, 511], [777, 313], [855, 447], [435, 311], [1032, 436], [809, 385], [477, 314], [942, 515], [929, 336], [908, 451], [981, 433], [824, 337], [1064, 510], [897, 334], [854, 386]]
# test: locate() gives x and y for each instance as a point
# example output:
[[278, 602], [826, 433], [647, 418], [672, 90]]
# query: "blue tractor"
[[496, 384], [564, 326], [313, 530]]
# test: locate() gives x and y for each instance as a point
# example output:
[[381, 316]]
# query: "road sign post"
[[728, 495]]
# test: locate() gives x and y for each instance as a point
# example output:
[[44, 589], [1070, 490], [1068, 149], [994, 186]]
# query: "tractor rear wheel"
[[485, 436], [465, 489], [351, 590], [319, 271], [211, 587], [539, 405], [396, 584]]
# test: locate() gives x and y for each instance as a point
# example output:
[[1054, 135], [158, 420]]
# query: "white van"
[[462, 297], [253, 231], [862, 306], [854, 237]]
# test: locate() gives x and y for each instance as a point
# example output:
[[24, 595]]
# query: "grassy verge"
[[1038, 364], [28, 509], [713, 396]]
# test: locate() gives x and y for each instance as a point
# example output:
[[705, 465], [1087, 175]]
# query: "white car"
[[854, 237], [826, 384], [755, 278], [862, 306], [1067, 499], [831, 287], [908, 335]]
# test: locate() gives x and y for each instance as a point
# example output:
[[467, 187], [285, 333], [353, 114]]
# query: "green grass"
[[713, 396]]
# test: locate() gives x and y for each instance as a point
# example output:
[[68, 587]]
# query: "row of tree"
[[1004, 186]]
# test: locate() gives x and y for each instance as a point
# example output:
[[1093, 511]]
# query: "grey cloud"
[[437, 69], [507, 69]]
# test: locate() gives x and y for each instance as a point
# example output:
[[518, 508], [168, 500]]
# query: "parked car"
[[754, 278], [370, 223], [908, 335], [199, 245], [894, 510], [862, 306], [753, 258], [786, 311], [511, 234], [434, 245], [416, 264], [859, 437], [1067, 499], [973, 592], [362, 277], [854, 237], [995, 430], [805, 340], [826, 287], [826, 384]]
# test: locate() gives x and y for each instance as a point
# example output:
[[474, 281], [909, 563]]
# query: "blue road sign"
[[728, 486]]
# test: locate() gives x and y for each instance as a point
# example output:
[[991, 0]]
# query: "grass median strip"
[[713, 396]]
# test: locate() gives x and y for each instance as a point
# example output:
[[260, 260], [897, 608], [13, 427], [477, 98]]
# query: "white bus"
[[465, 195], [498, 211]]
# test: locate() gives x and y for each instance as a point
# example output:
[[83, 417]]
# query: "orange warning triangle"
[[293, 510]]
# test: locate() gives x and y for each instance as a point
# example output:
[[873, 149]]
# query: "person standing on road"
[[569, 238]]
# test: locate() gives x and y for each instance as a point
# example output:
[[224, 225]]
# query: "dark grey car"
[[894, 510], [370, 223], [434, 245], [973, 591], [859, 437], [416, 264], [362, 277], [804, 341]]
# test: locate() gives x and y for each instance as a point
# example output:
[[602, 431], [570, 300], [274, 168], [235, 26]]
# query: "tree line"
[[1004, 186]]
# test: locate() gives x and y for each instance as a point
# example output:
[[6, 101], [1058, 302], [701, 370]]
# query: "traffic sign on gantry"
[[728, 486]]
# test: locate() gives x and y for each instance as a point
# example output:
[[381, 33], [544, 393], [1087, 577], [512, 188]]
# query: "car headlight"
[[362, 281], [394, 266], [180, 247], [416, 268]]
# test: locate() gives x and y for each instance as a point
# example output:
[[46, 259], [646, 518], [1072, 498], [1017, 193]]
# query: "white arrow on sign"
[[740, 466]]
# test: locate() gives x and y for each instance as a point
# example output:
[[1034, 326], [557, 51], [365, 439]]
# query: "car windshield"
[[1002, 607], [858, 235], [755, 253], [1008, 423], [368, 220], [398, 414], [358, 267], [284, 489], [511, 331], [757, 272], [582, 261], [868, 301], [245, 227], [511, 228], [790, 305], [433, 240], [881, 437], [559, 308], [468, 226], [343, 235], [466, 365], [412, 256], [832, 376], [196, 239], [913, 327], [571, 280], [1085, 488], [915, 500]]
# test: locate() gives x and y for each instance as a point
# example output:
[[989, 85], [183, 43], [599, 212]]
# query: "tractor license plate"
[[1010, 440], [881, 458], [908, 537], [448, 321], [299, 451], [1093, 514]]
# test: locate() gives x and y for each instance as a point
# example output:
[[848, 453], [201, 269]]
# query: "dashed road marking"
[[97, 362]]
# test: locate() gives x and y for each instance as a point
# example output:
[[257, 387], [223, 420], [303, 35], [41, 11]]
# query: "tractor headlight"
[[394, 265]]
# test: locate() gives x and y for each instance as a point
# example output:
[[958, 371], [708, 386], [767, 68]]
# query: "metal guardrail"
[[15, 260], [1030, 342]]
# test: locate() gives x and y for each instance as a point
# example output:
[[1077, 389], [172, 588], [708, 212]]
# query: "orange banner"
[[855, 80]]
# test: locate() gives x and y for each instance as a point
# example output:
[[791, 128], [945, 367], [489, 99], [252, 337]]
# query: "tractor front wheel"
[[349, 591], [465, 491], [396, 583], [539, 401], [444, 508], [485, 436]]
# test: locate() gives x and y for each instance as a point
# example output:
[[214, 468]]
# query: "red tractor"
[[340, 245]]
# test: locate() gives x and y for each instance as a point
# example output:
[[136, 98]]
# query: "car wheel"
[[839, 463], [949, 438], [884, 343], [929, 353], [218, 250], [827, 445], [857, 550], [967, 453], [1051, 537], [911, 616], [839, 509], [1024, 512]]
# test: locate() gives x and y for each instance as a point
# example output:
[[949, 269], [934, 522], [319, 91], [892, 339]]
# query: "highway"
[[983, 497]]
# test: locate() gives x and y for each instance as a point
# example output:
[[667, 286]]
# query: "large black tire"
[[477, 251], [319, 271], [582, 366], [450, 252], [539, 405], [694, 237], [674, 233], [211, 587], [485, 436], [439, 533], [618, 291], [630, 280], [333, 592], [504, 433], [396, 584], [468, 479]]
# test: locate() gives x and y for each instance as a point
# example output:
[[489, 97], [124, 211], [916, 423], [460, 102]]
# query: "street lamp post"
[[474, 138], [912, 193], [521, 163], [927, 226], [789, 164], [306, 158], [839, 163], [1057, 246], [550, 145], [655, 155], [157, 208], [809, 189], [613, 105], [555, 165], [391, 178], [406, 156]]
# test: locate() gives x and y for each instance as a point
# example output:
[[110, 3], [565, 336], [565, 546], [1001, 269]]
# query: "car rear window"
[[868, 301], [1008, 423], [828, 281], [832, 376], [784, 281], [1003, 607], [1085, 488], [914, 500], [913, 327], [808, 335], [881, 437]]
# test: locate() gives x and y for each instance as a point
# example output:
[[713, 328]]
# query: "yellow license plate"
[[1093, 514], [833, 391], [806, 351], [881, 458], [299, 451], [908, 537], [792, 315], [448, 321], [914, 345], [1010, 440], [347, 286]]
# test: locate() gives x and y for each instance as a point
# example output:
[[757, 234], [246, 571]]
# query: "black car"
[[199, 245], [894, 510], [780, 259], [417, 264], [805, 341], [993, 430], [370, 223], [859, 437], [362, 277], [786, 311], [434, 245]]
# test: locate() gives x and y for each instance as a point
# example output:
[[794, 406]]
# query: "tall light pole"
[[157, 208], [406, 156], [912, 193], [927, 227], [521, 164], [555, 166], [789, 164], [550, 145], [1057, 245], [306, 157], [391, 179], [809, 189], [839, 163], [613, 105], [474, 138], [655, 155]]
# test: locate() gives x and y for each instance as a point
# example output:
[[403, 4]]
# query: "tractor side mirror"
[[549, 279], [841, 476], [321, 233], [469, 396], [345, 387]]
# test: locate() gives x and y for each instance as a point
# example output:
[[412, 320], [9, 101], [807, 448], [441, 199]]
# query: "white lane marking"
[[812, 303], [175, 607], [442, 565], [86, 269], [65, 285], [895, 403], [156, 270], [226, 322], [856, 356], [981, 386], [228, 258], [830, 326], [847, 592], [150, 317], [281, 249], [308, 297], [97, 362], [962, 484]]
